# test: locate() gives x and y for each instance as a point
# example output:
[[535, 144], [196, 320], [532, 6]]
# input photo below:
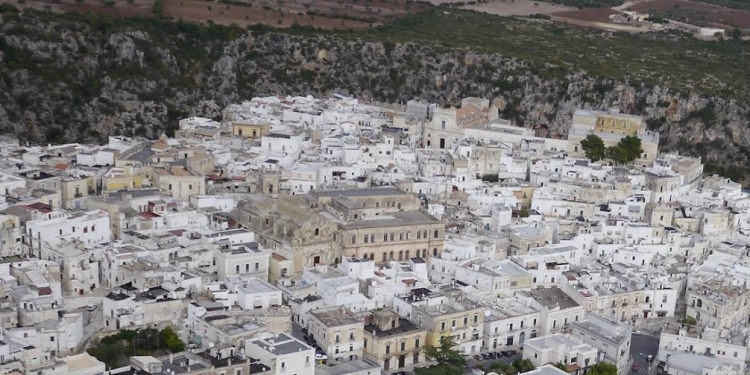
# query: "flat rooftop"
[[552, 298], [282, 344], [405, 326], [348, 367], [335, 317], [397, 219], [374, 192]]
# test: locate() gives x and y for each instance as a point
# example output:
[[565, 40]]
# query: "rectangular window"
[[387, 349], [416, 345], [403, 346]]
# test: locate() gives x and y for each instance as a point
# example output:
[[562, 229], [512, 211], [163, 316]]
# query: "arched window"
[[424, 253], [391, 254], [407, 254], [401, 255], [434, 252], [385, 257], [419, 235], [372, 238]]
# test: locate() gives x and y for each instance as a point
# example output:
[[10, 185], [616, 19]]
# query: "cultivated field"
[[113, 8], [342, 14], [589, 15], [327, 14], [694, 13], [517, 7]]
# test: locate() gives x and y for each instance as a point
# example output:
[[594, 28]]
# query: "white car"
[[320, 357], [91, 307]]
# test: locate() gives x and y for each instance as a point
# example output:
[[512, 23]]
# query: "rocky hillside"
[[81, 78]]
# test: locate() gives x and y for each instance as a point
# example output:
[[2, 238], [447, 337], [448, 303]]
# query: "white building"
[[90, 227], [559, 348], [254, 293], [283, 354]]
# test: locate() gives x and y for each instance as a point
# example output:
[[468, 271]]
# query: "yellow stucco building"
[[248, 130]]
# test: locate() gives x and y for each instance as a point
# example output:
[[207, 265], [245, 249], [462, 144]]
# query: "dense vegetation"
[[737, 4], [673, 59], [115, 350]]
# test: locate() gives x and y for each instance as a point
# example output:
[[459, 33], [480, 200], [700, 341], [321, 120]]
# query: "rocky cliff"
[[81, 78]]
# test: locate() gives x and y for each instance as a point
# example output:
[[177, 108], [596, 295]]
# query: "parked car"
[[511, 353], [636, 366], [504, 353], [91, 307], [477, 357]]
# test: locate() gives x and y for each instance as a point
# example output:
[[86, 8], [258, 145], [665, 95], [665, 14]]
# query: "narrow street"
[[641, 346]]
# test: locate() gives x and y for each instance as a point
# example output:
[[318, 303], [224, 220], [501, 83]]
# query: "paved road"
[[641, 346]]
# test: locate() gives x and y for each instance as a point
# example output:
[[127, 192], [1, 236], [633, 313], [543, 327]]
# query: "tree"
[[736, 33], [490, 177], [171, 340], [523, 365], [594, 147], [631, 148], [561, 366], [449, 361], [602, 369], [617, 154], [504, 368], [689, 321]]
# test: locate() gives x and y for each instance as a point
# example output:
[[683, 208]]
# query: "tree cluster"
[[115, 350], [449, 361], [626, 151]]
